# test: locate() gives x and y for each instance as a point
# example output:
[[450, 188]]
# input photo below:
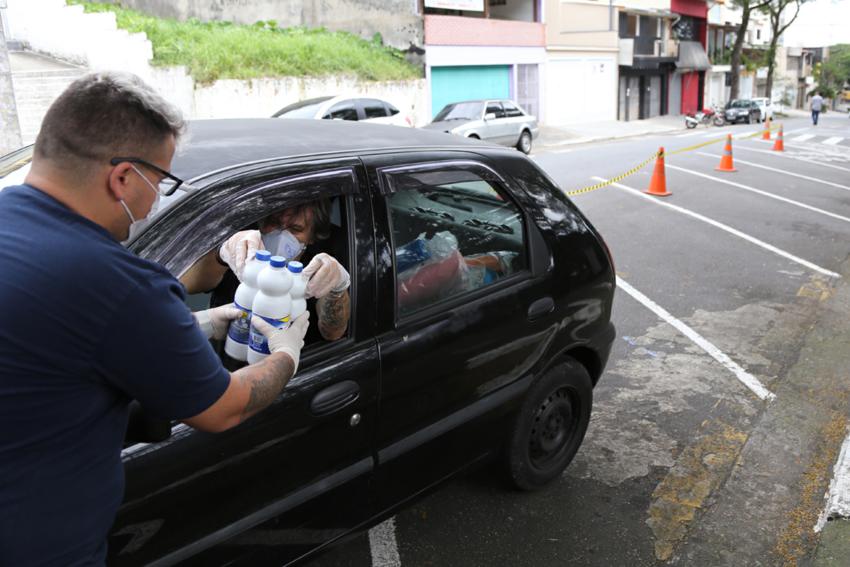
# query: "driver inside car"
[[302, 232]]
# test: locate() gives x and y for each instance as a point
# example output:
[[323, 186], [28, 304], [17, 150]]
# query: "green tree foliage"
[[223, 50]]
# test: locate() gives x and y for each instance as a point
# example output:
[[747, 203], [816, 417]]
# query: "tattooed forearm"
[[266, 379], [334, 312]]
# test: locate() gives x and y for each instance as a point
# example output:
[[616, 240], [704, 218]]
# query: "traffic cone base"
[[779, 145], [726, 163], [658, 183]]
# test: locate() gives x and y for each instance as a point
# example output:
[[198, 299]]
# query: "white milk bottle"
[[272, 303], [299, 289], [238, 334]]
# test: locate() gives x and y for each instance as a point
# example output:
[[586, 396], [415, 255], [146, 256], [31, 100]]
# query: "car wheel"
[[550, 426], [749, 119], [524, 143]]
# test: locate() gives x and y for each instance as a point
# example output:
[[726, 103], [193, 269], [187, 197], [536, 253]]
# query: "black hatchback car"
[[481, 305]]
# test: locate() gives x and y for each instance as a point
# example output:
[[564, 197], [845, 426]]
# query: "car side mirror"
[[490, 116]]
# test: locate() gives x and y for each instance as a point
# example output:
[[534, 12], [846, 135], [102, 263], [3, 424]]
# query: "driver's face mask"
[[283, 243]]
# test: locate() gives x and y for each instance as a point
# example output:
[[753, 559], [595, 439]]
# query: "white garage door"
[[581, 89]]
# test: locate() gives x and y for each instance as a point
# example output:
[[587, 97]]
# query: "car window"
[[373, 108], [511, 110], [392, 110], [344, 110], [460, 111], [453, 232], [495, 108]]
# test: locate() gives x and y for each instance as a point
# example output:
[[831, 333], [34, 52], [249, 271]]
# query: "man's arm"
[[251, 389], [255, 387], [205, 274], [334, 311]]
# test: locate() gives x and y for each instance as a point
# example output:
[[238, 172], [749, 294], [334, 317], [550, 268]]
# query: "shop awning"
[[692, 57]]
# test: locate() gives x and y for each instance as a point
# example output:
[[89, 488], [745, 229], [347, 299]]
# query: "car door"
[[458, 300], [515, 121], [297, 474], [496, 129]]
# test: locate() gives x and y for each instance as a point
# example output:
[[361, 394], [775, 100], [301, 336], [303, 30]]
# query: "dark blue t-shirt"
[[86, 326]]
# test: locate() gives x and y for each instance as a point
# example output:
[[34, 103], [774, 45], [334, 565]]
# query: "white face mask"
[[137, 226], [283, 243]]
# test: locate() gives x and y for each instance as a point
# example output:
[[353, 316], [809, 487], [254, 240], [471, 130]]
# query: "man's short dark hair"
[[321, 217], [103, 115]]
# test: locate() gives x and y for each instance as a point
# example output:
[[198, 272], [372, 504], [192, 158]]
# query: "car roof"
[[213, 145]]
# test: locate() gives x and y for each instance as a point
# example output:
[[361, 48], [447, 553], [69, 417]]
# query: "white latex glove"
[[214, 322], [288, 340], [325, 275], [240, 248]]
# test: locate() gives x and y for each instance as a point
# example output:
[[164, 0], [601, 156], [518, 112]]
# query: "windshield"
[[301, 109], [15, 166], [740, 104], [461, 111]]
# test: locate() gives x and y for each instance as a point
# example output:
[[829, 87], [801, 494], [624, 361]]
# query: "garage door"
[[453, 84], [581, 89]]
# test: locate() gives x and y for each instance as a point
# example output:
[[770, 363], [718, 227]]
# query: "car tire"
[[524, 143], [550, 426], [749, 119]]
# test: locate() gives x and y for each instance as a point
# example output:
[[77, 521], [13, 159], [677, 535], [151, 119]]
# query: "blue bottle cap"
[[295, 267], [278, 261], [263, 255]]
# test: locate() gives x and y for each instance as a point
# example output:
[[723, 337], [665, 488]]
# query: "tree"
[[746, 6], [774, 10], [834, 72]]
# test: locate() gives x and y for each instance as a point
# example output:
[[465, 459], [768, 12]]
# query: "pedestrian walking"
[[817, 106], [87, 326]]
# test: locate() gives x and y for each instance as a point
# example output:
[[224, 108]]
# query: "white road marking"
[[383, 545], [742, 375], [727, 228], [745, 135], [833, 141], [696, 133], [803, 138], [838, 497], [798, 158], [783, 172], [796, 131], [759, 191]]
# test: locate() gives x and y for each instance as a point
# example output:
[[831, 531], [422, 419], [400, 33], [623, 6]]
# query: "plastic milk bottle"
[[272, 303], [299, 289], [238, 335]]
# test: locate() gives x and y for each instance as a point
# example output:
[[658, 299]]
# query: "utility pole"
[[10, 130]]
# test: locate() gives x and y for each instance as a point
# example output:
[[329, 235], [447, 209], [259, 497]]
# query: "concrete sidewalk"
[[553, 136]]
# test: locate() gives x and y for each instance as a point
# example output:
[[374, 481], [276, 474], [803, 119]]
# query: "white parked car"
[[766, 107], [346, 108]]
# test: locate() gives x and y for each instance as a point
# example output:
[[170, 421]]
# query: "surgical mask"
[[283, 243], [137, 226]]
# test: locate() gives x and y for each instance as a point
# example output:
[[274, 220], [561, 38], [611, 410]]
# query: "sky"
[[820, 23]]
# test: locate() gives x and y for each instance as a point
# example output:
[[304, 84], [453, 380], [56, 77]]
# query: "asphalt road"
[[716, 422]]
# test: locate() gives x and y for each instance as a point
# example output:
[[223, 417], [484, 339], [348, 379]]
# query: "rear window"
[[342, 111], [373, 108]]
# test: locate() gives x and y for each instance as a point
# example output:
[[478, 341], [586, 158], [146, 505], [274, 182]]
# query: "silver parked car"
[[498, 121]]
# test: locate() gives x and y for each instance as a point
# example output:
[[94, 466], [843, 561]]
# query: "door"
[[297, 474], [584, 89], [456, 84], [496, 130], [456, 343]]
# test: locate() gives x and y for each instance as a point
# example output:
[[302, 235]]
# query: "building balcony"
[[458, 30], [645, 47]]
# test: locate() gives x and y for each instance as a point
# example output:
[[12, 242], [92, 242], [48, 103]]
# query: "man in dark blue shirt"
[[88, 326]]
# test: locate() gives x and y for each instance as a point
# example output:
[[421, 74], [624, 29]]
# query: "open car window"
[[453, 232]]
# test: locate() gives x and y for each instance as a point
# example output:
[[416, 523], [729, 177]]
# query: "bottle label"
[[258, 341], [240, 328]]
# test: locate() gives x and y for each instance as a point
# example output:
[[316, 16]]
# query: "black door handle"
[[334, 398], [541, 307]]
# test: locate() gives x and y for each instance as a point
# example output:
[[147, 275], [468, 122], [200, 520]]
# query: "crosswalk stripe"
[[833, 141], [744, 135], [804, 137], [795, 131]]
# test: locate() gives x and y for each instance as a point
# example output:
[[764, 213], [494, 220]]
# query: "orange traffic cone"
[[658, 183], [726, 163], [779, 145], [766, 134]]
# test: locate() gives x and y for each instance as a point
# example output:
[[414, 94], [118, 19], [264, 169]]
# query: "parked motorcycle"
[[705, 116]]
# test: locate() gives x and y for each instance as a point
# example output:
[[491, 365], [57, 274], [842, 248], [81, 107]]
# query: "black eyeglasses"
[[169, 183]]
